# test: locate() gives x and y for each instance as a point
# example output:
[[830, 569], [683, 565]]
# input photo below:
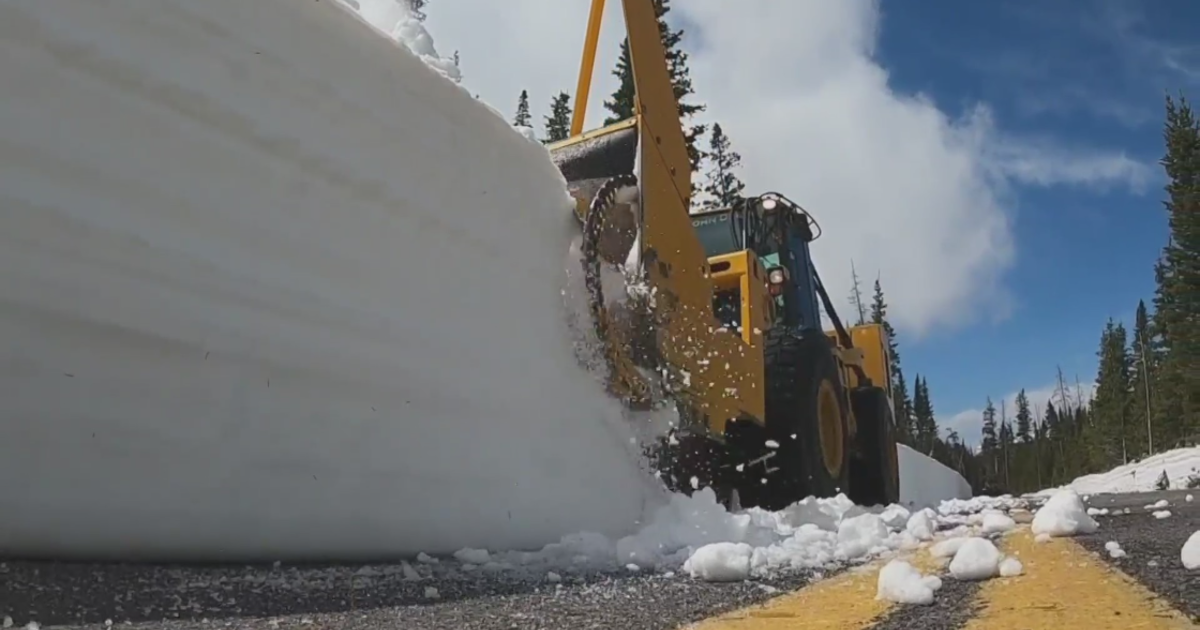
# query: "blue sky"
[[1088, 73]]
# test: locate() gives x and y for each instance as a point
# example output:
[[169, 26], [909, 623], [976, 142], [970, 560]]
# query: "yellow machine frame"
[[723, 370]]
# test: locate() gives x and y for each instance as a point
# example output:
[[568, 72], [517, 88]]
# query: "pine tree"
[[902, 410], [523, 119], [1110, 407], [856, 299], [1024, 418], [925, 425], [1177, 297], [1142, 355], [989, 441], [723, 185], [900, 399], [1006, 440], [558, 123], [620, 106]]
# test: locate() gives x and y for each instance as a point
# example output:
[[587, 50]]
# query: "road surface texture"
[[1067, 583]]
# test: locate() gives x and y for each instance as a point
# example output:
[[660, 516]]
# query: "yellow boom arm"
[[724, 368]]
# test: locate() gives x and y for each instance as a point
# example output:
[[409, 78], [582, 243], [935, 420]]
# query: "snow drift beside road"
[[274, 288], [1142, 476]]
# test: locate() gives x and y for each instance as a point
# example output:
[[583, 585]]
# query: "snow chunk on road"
[[921, 525], [1011, 567], [472, 556], [895, 516], [947, 548], [1114, 549], [1190, 554], [1157, 505], [902, 583], [1161, 514], [997, 523], [720, 562], [1063, 515], [977, 559], [861, 534]]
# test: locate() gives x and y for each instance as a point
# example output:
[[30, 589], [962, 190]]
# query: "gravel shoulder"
[[1152, 545], [378, 596]]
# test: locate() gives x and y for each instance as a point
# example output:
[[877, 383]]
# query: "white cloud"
[[969, 423], [902, 188]]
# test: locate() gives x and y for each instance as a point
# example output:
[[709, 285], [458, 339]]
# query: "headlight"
[[776, 275]]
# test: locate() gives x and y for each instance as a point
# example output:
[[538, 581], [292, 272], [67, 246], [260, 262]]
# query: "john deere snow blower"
[[720, 314]]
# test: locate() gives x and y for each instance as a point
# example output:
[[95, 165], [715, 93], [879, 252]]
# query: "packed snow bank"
[[1141, 476], [697, 536], [925, 482], [276, 288]]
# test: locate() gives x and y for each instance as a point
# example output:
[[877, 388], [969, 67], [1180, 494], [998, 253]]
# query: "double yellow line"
[[1063, 587]]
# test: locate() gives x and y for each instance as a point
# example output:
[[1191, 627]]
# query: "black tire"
[[875, 477], [802, 377]]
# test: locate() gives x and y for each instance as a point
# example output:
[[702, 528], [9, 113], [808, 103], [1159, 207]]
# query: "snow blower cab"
[[775, 231]]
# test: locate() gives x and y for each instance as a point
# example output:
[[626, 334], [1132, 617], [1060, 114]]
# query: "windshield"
[[715, 233]]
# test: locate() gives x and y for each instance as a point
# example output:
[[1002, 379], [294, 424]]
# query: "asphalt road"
[[177, 597], [1151, 545]]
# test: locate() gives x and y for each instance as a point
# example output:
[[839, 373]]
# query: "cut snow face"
[[902, 583], [1063, 515], [329, 394]]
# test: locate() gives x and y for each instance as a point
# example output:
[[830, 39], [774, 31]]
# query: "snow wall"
[[924, 482], [272, 287]]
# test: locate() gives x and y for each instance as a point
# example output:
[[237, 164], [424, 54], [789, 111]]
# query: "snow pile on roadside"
[[1140, 476], [1063, 515], [695, 535], [902, 583]]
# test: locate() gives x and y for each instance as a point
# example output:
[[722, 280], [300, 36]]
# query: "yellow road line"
[[1065, 587], [843, 601]]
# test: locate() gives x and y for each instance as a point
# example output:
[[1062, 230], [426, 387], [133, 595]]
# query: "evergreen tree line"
[[1147, 388]]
